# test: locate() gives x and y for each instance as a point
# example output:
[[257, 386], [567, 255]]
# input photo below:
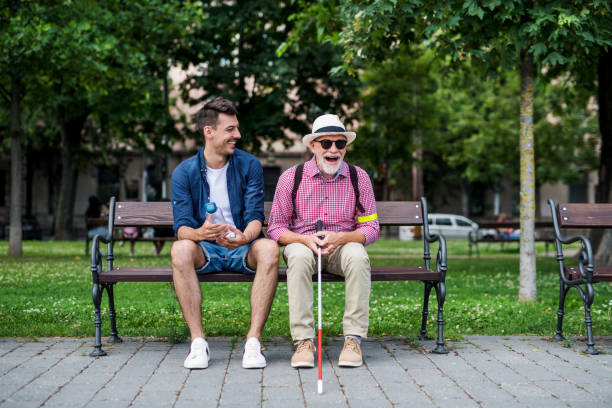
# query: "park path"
[[479, 371]]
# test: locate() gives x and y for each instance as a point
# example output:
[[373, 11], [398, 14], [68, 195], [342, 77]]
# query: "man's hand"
[[331, 240], [210, 231], [226, 241], [311, 241]]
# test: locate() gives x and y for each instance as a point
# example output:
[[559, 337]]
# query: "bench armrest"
[[96, 252], [585, 259], [431, 238]]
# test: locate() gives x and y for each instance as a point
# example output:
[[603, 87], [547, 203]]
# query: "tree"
[[467, 124], [527, 36], [20, 27], [235, 53], [398, 115], [603, 255], [99, 57]]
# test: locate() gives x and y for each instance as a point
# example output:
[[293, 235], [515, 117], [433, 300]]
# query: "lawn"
[[48, 293]]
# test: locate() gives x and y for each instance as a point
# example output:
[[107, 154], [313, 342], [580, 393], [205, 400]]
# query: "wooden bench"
[[475, 237], [584, 275], [159, 214]]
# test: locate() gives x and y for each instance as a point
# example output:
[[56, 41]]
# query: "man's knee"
[[265, 250], [299, 254], [355, 258], [183, 253]]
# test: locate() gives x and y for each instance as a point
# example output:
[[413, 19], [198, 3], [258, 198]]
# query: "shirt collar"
[[311, 169]]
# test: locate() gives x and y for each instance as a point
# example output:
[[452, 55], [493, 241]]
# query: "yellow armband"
[[367, 218]]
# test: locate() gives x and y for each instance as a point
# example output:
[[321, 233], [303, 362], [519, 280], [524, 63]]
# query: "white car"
[[452, 226]]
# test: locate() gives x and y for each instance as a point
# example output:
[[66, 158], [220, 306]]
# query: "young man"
[[330, 191], [230, 238]]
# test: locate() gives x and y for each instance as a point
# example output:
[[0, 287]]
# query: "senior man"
[[326, 188]]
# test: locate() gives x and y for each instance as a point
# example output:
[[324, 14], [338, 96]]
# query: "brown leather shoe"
[[304, 354], [351, 354]]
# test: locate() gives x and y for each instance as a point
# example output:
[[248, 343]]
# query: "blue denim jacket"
[[245, 188]]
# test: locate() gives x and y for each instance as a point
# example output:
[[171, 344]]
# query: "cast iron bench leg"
[[423, 334], [97, 299], [587, 299], [440, 295], [561, 312], [114, 338]]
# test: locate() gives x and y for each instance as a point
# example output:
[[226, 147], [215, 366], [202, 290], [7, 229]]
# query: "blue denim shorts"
[[220, 259]]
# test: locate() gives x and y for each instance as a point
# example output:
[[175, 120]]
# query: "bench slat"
[[164, 274], [585, 215], [143, 214], [600, 273], [159, 214]]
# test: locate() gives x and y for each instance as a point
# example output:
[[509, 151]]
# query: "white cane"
[[319, 227]]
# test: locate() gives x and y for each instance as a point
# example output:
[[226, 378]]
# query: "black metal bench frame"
[[142, 214], [585, 274]]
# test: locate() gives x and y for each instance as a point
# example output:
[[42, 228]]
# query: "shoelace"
[[304, 345], [351, 345]]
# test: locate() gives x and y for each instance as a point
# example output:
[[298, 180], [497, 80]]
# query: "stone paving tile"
[[204, 387], [32, 368], [281, 382], [16, 356], [479, 371], [50, 382]]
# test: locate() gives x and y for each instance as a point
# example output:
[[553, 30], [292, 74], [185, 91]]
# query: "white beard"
[[327, 169]]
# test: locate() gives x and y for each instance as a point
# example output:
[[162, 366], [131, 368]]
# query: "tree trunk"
[[15, 234], [604, 99], [603, 254], [465, 198], [70, 131], [527, 279]]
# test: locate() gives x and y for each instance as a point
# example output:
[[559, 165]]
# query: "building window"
[[271, 175], [578, 192], [108, 182]]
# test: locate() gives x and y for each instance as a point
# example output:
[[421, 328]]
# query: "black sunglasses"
[[326, 144]]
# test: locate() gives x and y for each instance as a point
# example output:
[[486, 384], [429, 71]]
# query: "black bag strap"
[[297, 179], [355, 183]]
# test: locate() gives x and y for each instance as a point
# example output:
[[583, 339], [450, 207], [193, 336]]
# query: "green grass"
[[48, 293]]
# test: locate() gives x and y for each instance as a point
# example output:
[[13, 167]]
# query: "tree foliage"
[[89, 69], [233, 54]]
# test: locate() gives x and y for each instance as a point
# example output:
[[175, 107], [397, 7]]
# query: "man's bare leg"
[[186, 255], [264, 256]]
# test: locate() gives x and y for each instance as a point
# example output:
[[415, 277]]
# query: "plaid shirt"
[[318, 198]]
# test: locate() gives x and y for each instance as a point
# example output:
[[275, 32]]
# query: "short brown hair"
[[209, 113]]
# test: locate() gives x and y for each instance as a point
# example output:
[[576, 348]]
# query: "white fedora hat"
[[326, 125]]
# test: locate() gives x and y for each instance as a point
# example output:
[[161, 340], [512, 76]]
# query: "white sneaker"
[[252, 356], [198, 355]]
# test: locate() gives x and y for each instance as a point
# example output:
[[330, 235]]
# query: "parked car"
[[30, 229], [452, 226]]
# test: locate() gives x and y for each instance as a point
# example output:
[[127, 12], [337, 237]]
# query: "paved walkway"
[[479, 372]]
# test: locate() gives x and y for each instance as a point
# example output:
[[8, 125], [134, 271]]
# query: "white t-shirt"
[[217, 182]]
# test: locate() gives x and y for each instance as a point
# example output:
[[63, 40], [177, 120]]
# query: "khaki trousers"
[[351, 261]]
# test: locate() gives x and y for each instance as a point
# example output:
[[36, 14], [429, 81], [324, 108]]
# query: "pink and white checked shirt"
[[318, 198]]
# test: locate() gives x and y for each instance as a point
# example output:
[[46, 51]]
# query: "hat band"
[[328, 129]]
